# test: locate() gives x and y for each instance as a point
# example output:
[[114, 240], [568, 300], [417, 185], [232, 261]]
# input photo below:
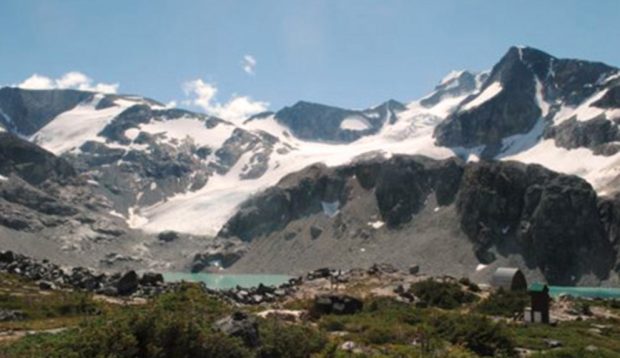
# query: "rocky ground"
[[380, 310]]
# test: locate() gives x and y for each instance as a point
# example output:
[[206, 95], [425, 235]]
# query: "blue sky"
[[351, 53]]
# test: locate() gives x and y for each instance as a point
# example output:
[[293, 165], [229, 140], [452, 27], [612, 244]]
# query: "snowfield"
[[73, 128], [491, 91]]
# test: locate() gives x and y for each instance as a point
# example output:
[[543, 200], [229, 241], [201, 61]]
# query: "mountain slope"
[[143, 169]]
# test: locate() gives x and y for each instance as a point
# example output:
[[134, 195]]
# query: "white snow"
[[190, 127], [135, 220], [453, 75], [521, 142], [153, 186], [586, 111], [71, 129], [540, 100], [3, 178], [132, 133], [597, 170], [491, 91], [117, 214], [376, 224], [480, 267], [355, 123]]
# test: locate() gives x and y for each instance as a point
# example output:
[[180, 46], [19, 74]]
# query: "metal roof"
[[505, 277]]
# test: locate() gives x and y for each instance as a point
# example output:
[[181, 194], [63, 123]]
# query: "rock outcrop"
[[553, 221]]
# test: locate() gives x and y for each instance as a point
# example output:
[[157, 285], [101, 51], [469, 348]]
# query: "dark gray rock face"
[[554, 218], [30, 162], [30, 110], [312, 121], [43, 191], [514, 110], [611, 99], [596, 134], [303, 195], [241, 142], [504, 208]]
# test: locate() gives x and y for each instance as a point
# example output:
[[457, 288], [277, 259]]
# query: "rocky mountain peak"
[[318, 122]]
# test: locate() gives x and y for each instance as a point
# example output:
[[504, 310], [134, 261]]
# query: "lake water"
[[226, 281], [589, 292]]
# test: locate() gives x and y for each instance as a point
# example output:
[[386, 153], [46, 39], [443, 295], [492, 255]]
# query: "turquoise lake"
[[226, 281], [589, 292]]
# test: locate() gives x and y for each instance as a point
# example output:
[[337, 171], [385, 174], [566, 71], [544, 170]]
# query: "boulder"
[[240, 325], [336, 304], [46, 285], [376, 269], [12, 315], [315, 232], [323, 272], [151, 279], [7, 256], [168, 236], [128, 283]]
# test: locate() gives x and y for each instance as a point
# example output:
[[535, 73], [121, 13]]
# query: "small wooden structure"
[[509, 279], [541, 301]]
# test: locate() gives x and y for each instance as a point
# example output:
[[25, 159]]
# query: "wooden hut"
[[509, 279], [541, 301]]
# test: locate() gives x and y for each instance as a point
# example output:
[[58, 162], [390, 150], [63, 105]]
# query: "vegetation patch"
[[446, 295]]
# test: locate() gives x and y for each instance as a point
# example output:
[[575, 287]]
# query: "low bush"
[[447, 295], [280, 340], [476, 333], [504, 303]]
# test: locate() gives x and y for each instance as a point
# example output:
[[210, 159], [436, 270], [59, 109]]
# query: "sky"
[[237, 57]]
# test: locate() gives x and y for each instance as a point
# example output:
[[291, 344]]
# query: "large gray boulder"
[[128, 283], [240, 325]]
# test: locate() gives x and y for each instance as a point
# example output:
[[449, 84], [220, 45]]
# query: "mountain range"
[[518, 165]]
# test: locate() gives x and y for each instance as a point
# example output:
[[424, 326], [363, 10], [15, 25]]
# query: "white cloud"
[[70, 80], [238, 108], [249, 64], [203, 93]]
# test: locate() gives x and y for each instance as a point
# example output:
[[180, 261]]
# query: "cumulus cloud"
[[70, 80], [249, 64], [203, 95]]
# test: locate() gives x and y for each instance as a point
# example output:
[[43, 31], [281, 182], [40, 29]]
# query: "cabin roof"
[[538, 287]]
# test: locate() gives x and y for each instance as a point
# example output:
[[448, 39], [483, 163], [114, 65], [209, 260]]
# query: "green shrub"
[[504, 303], [476, 333], [447, 295], [472, 286], [174, 325], [576, 353], [279, 339]]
